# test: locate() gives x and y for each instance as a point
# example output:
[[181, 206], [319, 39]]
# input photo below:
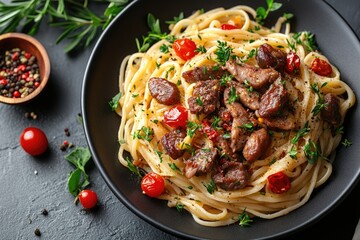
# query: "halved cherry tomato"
[[176, 117], [321, 67], [292, 63], [88, 198], [184, 48], [34, 141], [153, 184], [209, 131], [226, 26], [279, 182]]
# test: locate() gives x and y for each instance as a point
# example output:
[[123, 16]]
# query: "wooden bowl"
[[9, 41]]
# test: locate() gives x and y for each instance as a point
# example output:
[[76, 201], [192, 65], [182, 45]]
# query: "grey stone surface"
[[28, 185]]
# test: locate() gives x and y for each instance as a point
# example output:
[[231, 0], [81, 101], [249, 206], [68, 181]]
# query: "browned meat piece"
[[249, 98], [256, 77], [230, 175], [225, 150], [284, 122], [203, 73], [201, 163], [269, 57], [205, 97], [169, 142], [273, 101], [240, 117], [163, 91], [256, 145], [331, 111]]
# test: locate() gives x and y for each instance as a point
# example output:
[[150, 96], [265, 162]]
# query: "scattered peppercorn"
[[37, 232], [67, 133], [44, 212], [31, 115], [19, 73]]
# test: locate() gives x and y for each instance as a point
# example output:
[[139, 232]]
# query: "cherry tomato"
[[292, 63], [226, 26], [321, 67], [184, 48], [34, 141], [209, 131], [152, 184], [176, 117], [279, 182], [88, 198]]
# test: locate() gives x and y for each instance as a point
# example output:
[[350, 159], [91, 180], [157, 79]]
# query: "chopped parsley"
[[311, 151], [114, 102], [144, 133], [210, 187], [223, 52]]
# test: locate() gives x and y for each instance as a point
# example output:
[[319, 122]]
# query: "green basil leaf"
[[74, 182], [79, 157]]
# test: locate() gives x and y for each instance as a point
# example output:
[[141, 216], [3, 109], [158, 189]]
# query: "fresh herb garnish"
[[262, 13], [311, 151], [144, 133], [78, 179], [302, 132], [132, 167], [210, 187], [232, 95], [153, 36], [223, 52], [114, 102], [320, 104], [180, 207], [346, 143], [248, 127], [244, 219], [200, 49], [176, 19], [174, 167], [191, 128], [80, 25]]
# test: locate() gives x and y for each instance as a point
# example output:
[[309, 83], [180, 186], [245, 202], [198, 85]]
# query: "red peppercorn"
[[37, 84], [15, 56], [3, 82], [16, 94], [27, 55], [22, 67]]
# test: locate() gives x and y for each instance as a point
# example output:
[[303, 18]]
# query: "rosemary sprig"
[[78, 23]]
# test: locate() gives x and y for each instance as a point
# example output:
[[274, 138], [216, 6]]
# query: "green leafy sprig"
[[262, 13], [78, 179], [79, 24]]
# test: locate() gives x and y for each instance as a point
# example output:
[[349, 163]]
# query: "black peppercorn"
[[37, 232]]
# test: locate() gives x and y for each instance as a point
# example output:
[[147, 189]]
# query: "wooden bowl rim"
[[46, 70]]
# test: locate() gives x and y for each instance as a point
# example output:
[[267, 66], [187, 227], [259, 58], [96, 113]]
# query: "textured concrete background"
[[28, 185]]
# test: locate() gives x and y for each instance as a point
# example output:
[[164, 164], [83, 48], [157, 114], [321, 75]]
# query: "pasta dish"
[[237, 118]]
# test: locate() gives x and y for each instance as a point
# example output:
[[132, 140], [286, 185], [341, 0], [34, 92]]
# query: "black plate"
[[336, 41]]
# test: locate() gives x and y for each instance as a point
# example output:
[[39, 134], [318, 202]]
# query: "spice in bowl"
[[24, 68], [19, 73]]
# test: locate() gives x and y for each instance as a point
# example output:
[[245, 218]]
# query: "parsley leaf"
[[210, 187], [132, 167], [114, 102], [223, 52], [144, 133]]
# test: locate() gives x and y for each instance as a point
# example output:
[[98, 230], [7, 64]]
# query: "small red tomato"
[[176, 117], [88, 198], [226, 26], [153, 184], [279, 182], [184, 48], [292, 63], [34, 141], [321, 67]]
